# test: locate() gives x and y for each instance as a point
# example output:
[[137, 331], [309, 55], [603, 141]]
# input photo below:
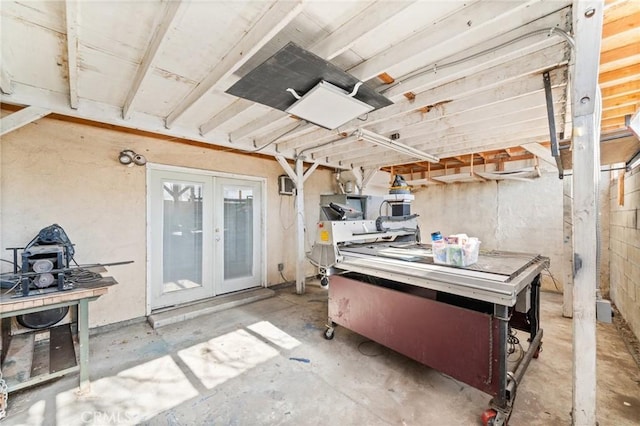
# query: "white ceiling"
[[164, 67]]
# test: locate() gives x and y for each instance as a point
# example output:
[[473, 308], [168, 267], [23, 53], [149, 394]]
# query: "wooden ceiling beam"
[[482, 81], [21, 118], [620, 75], [5, 79], [267, 26], [621, 89], [619, 101], [331, 46], [166, 22], [618, 9], [629, 21], [71, 11], [619, 53], [434, 42]]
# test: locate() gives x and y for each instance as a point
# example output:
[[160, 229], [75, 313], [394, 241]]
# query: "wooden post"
[[587, 27], [300, 252], [567, 250]]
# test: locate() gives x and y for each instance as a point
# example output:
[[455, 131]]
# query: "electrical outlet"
[[280, 267]]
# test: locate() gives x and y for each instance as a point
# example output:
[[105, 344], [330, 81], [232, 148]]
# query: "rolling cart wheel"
[[536, 354], [328, 334], [488, 417], [324, 282]]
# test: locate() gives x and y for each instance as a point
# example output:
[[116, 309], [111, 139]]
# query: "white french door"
[[205, 235]]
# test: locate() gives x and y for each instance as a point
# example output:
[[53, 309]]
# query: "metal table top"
[[497, 277]]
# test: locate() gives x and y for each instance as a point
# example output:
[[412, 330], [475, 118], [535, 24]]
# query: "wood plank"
[[627, 22], [619, 101], [622, 52], [40, 364], [619, 112], [17, 364], [267, 27], [619, 9], [62, 353], [168, 15], [541, 152], [5, 79], [626, 73], [71, 19], [21, 118], [621, 89]]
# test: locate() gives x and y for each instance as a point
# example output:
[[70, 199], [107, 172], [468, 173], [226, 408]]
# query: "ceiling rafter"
[[336, 43], [493, 77], [467, 28], [541, 152], [511, 110], [21, 118], [492, 60], [5, 79], [167, 17], [71, 10], [266, 27]]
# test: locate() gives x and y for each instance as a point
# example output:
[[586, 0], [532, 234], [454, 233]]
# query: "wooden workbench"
[[79, 297]]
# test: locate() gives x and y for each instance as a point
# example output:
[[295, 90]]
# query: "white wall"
[[67, 173], [504, 215]]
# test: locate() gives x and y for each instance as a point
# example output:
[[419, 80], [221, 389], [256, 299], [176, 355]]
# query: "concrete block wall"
[[624, 237]]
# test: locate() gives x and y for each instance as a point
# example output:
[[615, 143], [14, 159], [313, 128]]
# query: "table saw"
[[460, 321]]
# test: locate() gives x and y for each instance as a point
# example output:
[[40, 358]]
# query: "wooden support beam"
[[587, 26], [167, 17], [268, 25], [567, 248], [71, 19], [482, 81], [5, 79], [541, 152], [237, 107], [433, 43], [20, 118]]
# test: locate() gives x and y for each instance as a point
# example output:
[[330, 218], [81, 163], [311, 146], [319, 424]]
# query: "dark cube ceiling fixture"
[[325, 92]]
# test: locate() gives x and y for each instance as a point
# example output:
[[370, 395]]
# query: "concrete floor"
[[266, 363]]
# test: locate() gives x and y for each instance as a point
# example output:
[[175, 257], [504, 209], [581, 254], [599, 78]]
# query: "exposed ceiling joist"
[[167, 17], [20, 118], [268, 25], [328, 48], [474, 24], [238, 106], [71, 19], [541, 152], [5, 79], [342, 39], [545, 59], [489, 54]]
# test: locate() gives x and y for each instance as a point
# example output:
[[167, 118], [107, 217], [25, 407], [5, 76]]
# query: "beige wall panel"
[[66, 173], [508, 215]]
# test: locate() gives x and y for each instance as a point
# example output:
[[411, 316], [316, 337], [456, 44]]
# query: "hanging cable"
[[436, 67]]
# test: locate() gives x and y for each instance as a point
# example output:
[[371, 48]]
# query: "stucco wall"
[[67, 173], [625, 249], [504, 215]]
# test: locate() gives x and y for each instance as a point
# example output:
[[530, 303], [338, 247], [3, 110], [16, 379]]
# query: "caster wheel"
[[488, 417], [324, 282], [536, 354], [328, 334]]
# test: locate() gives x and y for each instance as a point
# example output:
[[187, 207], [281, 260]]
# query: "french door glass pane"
[[182, 236], [238, 232]]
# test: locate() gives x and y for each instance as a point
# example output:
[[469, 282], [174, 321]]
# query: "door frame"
[[210, 173]]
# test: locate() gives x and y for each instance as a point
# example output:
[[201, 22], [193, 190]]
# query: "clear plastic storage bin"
[[456, 254]]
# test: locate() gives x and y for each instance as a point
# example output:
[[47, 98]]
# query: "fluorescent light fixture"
[[328, 106], [383, 141]]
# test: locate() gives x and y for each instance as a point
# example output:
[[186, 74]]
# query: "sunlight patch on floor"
[[274, 335], [227, 356]]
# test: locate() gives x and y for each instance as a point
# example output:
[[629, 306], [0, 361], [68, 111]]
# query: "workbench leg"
[[83, 334], [501, 313]]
